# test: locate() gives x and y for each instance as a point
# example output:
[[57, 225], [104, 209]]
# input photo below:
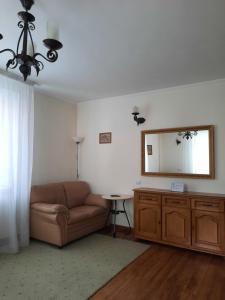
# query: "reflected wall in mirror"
[[180, 152]]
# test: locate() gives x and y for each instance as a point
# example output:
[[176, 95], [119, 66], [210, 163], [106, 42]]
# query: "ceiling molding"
[[17, 78]]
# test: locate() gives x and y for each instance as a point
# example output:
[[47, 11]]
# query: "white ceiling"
[[116, 47]]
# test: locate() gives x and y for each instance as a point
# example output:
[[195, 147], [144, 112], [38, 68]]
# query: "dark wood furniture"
[[188, 220]]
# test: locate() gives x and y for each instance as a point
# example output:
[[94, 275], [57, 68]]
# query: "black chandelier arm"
[[20, 24], [18, 44], [9, 50], [40, 65], [31, 26], [12, 63], [52, 56]]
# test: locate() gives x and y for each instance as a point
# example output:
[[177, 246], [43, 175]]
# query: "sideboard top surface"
[[190, 194]]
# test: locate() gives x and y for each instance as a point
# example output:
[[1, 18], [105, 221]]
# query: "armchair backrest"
[[76, 193], [70, 194], [52, 193]]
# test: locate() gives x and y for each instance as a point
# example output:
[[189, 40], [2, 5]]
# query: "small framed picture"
[[149, 149], [105, 138]]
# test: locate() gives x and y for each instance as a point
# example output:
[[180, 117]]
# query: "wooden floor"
[[169, 273]]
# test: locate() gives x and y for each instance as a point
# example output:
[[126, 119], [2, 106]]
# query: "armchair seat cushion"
[[84, 212]]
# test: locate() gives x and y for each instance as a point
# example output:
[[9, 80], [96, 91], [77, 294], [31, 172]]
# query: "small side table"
[[114, 211]]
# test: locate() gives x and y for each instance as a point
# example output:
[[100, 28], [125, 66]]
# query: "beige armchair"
[[63, 212]]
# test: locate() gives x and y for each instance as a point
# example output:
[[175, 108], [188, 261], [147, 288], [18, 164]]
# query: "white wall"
[[115, 168], [54, 149]]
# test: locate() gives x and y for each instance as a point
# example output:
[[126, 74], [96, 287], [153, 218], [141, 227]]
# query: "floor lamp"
[[78, 140]]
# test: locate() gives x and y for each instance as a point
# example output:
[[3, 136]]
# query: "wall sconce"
[[135, 113], [78, 140]]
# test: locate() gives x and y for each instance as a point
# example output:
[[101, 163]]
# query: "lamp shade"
[[78, 139]]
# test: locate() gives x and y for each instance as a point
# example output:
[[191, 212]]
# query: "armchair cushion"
[[84, 212], [50, 208], [76, 193], [48, 193]]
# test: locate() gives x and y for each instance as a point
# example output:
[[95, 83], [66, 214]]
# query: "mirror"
[[180, 152]]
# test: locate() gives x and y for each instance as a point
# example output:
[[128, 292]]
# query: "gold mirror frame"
[[211, 174]]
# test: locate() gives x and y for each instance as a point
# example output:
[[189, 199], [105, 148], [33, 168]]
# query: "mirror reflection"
[[177, 152]]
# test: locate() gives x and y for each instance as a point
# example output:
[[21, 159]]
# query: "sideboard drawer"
[[209, 204], [146, 198], [176, 201]]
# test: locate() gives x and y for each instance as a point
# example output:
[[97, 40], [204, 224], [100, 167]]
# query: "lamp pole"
[[77, 159], [77, 140]]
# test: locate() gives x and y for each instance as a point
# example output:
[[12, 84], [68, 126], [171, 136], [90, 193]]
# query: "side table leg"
[[107, 219], [126, 215], [114, 223]]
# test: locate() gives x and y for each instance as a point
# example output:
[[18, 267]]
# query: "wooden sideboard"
[[189, 220]]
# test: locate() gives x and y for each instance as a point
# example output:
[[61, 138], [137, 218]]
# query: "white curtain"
[[16, 157]]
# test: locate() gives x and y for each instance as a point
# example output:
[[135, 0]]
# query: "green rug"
[[44, 272]]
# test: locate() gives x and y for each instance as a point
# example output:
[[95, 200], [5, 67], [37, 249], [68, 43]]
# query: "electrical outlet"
[[138, 182]]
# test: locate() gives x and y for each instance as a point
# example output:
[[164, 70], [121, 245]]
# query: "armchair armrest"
[[50, 208], [97, 200]]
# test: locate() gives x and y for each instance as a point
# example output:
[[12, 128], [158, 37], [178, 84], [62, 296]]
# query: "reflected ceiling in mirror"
[[180, 152]]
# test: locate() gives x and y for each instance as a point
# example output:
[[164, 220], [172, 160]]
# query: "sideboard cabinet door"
[[148, 221], [176, 225], [208, 230]]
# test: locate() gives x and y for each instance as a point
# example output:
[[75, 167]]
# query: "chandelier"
[[25, 55], [188, 134]]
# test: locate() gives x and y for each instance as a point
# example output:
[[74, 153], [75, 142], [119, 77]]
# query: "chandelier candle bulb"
[[135, 110], [52, 31]]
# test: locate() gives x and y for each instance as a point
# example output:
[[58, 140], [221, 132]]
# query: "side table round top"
[[117, 197]]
